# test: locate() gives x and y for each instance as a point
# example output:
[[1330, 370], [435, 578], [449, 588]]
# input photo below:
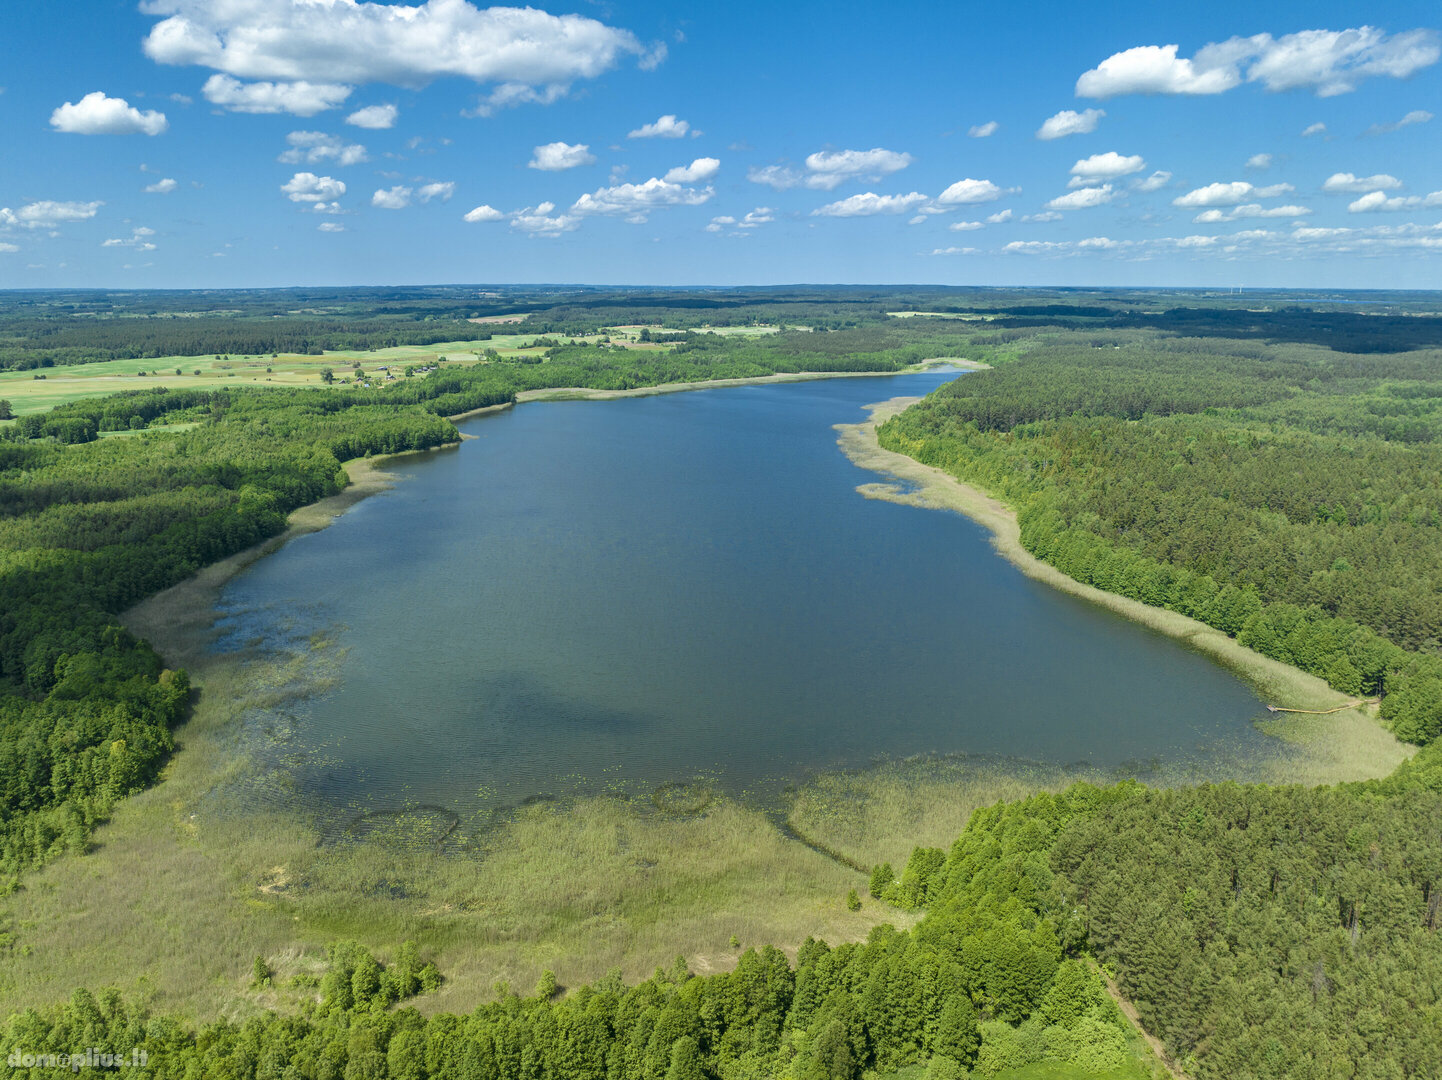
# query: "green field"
[[28, 394]]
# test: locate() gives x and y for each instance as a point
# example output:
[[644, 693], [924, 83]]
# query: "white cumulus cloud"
[[315, 147], [967, 191], [1156, 69], [1250, 210], [999, 217], [307, 187], [1378, 200], [1083, 198], [830, 169], [1345, 181], [526, 53], [1070, 122], [1259, 161], [298, 98], [484, 213], [542, 220], [557, 156], [393, 198], [982, 131], [330, 226], [827, 170], [666, 127], [699, 171], [965, 226], [161, 187], [869, 203], [1328, 62], [47, 213], [440, 191], [1155, 182], [1318, 128], [96, 114], [1229, 194], [1033, 247], [635, 201], [374, 117], [1107, 166]]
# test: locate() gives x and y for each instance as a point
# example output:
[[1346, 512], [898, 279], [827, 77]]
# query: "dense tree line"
[[29, 343], [1343, 331], [1230, 483], [1274, 933], [704, 357], [1270, 931]]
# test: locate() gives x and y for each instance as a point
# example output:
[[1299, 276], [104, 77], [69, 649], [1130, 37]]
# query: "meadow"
[[28, 393]]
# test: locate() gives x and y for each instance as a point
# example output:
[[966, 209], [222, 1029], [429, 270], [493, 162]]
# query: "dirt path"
[[1130, 1012]]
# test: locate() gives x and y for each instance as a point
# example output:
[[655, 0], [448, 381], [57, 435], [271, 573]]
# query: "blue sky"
[[216, 143]]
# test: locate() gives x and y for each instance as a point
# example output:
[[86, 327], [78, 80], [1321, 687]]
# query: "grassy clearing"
[[962, 316], [1141, 1067], [28, 394], [1348, 745], [632, 331]]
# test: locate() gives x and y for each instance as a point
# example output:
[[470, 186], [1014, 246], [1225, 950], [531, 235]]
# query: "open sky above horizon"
[[246, 143]]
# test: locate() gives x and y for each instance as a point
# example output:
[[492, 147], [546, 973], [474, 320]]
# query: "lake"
[[615, 594]]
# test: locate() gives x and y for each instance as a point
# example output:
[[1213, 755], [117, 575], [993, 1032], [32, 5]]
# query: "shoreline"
[[178, 621], [1275, 682], [581, 393]]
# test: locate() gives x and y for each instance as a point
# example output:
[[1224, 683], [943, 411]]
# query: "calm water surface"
[[648, 589]]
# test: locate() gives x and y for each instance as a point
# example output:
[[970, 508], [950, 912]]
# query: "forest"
[[39, 330], [1288, 495], [1264, 481]]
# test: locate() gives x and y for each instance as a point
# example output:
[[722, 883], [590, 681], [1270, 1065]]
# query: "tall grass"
[[194, 878]]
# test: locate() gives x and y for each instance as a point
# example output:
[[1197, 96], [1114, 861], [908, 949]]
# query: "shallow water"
[[631, 592]]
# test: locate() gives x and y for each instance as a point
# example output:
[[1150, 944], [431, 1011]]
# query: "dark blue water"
[[641, 590]]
